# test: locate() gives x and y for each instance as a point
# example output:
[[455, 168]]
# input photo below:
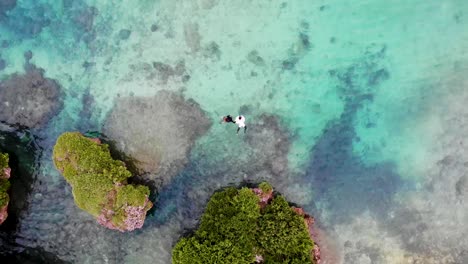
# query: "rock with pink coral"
[[4, 186], [3, 213], [309, 221], [6, 173], [99, 182], [264, 192]]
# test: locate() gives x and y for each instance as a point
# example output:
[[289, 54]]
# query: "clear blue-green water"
[[365, 103]]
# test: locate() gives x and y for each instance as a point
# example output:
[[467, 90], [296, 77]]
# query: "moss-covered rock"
[[100, 183], [4, 186], [237, 227]]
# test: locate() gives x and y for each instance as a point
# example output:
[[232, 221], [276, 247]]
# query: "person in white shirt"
[[240, 122]]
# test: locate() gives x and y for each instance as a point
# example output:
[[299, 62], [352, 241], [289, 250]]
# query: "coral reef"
[[29, 99], [161, 143], [4, 186], [100, 183], [6, 5], [246, 226]]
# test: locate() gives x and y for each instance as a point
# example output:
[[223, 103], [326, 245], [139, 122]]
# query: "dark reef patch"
[[298, 50], [338, 175], [2, 64], [157, 132], [29, 99], [377, 77], [29, 20], [5, 44], [124, 34], [5, 6], [24, 153], [304, 38], [212, 51], [31, 256], [88, 112], [28, 55], [84, 18], [289, 64], [255, 58], [165, 71]]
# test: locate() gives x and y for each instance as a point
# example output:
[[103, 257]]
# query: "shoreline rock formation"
[[265, 193], [249, 225], [100, 183], [4, 186]]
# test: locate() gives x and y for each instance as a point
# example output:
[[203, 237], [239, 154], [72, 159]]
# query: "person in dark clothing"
[[228, 119]]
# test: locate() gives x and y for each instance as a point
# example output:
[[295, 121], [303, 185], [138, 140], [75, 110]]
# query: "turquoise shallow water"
[[357, 112]]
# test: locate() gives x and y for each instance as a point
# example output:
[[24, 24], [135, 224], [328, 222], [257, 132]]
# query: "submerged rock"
[[100, 183], [29, 99], [124, 34], [6, 5], [270, 142], [28, 55], [154, 27], [4, 186], [157, 132], [22, 152], [247, 226], [2, 64]]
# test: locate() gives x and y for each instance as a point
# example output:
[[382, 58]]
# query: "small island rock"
[[100, 183]]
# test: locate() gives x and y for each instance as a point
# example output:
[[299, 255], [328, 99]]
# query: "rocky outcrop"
[[29, 99], [100, 183], [4, 186], [265, 193], [309, 221], [161, 142], [246, 226]]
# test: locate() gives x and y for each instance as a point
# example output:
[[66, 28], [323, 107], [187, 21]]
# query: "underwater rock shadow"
[[24, 154], [340, 179], [343, 182], [30, 99]]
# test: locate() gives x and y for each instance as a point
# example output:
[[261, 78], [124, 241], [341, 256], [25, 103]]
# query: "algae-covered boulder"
[[247, 226], [29, 99], [100, 183], [157, 132], [4, 186]]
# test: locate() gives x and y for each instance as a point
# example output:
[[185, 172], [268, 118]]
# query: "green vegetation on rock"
[[75, 155], [99, 182], [265, 187], [235, 229], [4, 183], [4, 186], [281, 234]]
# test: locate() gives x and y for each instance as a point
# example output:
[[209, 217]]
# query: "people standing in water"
[[239, 121]]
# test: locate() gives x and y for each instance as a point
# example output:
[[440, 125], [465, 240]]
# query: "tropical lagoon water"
[[356, 111]]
